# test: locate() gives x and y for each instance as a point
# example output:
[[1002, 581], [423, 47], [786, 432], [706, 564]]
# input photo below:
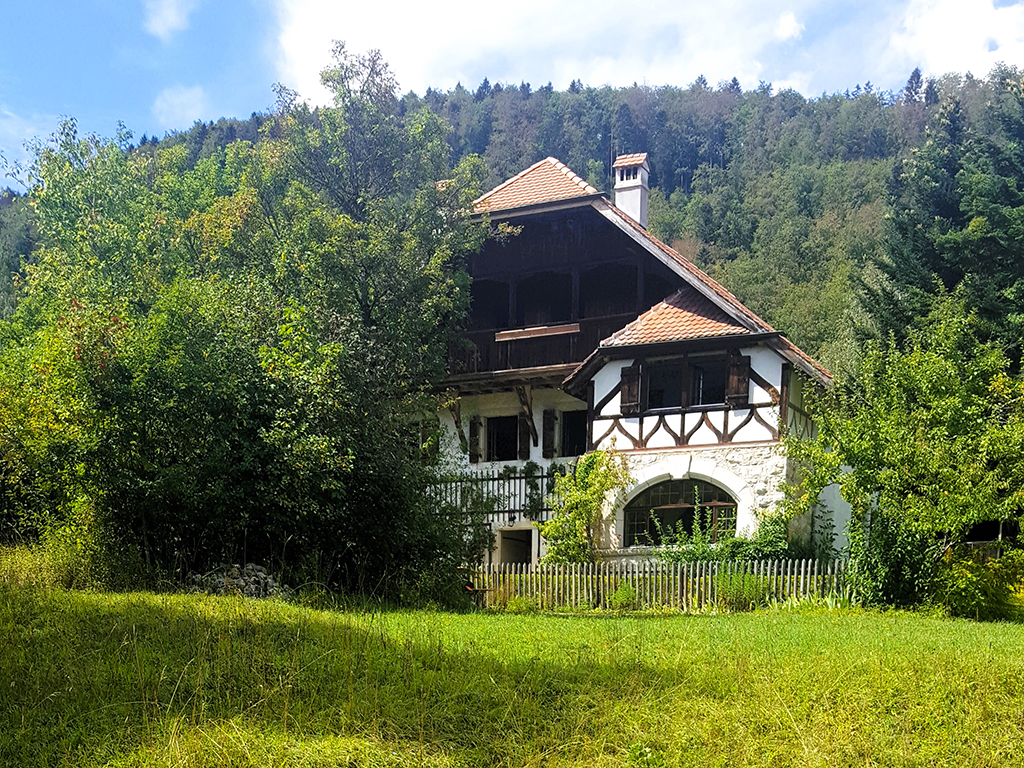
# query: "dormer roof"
[[544, 182], [683, 315]]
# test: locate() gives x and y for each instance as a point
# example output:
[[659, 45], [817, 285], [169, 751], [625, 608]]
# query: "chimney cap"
[[628, 161]]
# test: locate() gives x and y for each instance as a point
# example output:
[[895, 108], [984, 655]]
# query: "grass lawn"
[[91, 679]]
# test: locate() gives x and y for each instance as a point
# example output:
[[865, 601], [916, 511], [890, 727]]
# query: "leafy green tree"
[[220, 359], [580, 498], [931, 437]]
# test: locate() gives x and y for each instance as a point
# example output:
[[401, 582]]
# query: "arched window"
[[679, 504]]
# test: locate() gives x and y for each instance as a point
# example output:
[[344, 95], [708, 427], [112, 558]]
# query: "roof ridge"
[[574, 177], [686, 301], [640, 318]]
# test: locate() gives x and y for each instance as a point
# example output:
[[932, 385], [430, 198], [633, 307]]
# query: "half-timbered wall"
[[798, 419], [755, 421]]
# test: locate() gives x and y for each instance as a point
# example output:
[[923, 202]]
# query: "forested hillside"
[[783, 198]]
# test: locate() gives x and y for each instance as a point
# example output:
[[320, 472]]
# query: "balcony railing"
[[504, 350]]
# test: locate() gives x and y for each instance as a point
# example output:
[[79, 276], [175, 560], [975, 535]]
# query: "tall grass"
[[140, 679]]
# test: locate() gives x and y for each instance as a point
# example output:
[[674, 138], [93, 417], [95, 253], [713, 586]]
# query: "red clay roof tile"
[[542, 182], [624, 161], [685, 314]]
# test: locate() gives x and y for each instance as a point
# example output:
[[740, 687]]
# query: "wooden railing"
[[689, 587], [516, 494]]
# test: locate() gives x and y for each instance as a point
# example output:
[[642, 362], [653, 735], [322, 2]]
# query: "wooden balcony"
[[502, 350]]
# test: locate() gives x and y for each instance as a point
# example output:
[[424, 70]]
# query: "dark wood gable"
[[550, 294]]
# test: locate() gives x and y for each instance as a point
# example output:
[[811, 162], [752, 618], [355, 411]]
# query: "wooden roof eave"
[[580, 201], [505, 380]]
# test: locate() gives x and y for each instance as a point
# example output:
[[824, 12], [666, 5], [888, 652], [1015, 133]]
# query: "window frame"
[[687, 364], [723, 513]]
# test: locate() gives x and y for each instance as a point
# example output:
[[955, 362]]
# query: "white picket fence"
[[689, 587]]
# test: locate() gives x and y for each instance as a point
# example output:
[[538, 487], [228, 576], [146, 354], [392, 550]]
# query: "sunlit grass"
[[140, 679]]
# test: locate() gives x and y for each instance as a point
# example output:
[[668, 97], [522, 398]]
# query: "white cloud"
[[437, 44], [178, 107], [16, 131], [787, 27], [944, 36], [165, 17]]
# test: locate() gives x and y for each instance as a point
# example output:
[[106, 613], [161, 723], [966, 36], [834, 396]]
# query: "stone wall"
[[752, 474]]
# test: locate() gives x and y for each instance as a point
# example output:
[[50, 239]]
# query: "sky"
[[159, 65]]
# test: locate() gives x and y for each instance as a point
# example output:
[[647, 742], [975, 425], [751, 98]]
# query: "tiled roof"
[[623, 161], [685, 314], [542, 182]]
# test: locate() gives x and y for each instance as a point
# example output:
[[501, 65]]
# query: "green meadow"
[[96, 679]]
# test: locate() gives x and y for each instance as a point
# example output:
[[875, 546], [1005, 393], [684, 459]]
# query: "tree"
[[912, 90], [932, 435], [222, 358], [579, 499]]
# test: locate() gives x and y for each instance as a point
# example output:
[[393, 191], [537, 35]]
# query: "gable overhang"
[[694, 277], [501, 214]]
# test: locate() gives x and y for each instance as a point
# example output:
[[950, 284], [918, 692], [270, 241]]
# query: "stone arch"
[[685, 466]]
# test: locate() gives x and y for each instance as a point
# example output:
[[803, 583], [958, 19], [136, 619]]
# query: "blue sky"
[[158, 65]]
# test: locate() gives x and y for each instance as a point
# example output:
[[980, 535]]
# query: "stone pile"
[[250, 581]]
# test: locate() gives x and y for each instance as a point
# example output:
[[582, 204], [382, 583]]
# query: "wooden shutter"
[[474, 440], [630, 391], [549, 434], [524, 437], [737, 394]]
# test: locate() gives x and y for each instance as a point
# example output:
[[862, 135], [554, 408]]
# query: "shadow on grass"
[[102, 677]]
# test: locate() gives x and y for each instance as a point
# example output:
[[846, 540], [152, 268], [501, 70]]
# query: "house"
[[586, 331]]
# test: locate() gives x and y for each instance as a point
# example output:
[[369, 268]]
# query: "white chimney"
[[631, 188]]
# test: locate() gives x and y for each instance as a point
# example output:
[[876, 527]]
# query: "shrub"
[[623, 598], [741, 591], [891, 563], [769, 541], [971, 586], [521, 605]]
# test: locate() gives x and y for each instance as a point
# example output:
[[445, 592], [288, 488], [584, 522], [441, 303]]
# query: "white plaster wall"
[[501, 404], [754, 431], [832, 506], [768, 364], [605, 380], [752, 474]]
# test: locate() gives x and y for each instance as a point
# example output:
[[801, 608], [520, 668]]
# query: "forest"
[[237, 285]]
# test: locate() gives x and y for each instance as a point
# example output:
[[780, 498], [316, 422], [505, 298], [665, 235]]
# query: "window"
[[574, 433], [679, 505], [708, 381], [665, 386], [503, 438]]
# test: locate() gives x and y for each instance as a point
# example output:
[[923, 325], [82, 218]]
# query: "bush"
[[521, 605], [770, 541], [741, 591], [623, 598], [974, 587], [891, 563]]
